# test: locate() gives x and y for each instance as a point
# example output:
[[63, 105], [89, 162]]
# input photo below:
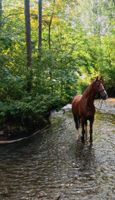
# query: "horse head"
[[99, 88]]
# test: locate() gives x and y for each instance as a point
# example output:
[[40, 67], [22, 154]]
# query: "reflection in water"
[[85, 156], [53, 165]]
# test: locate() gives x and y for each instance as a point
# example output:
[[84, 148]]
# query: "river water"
[[54, 165]]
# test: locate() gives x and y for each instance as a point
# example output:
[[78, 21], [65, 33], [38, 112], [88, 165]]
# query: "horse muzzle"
[[104, 95]]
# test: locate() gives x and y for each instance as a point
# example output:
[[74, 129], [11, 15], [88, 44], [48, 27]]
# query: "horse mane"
[[88, 90]]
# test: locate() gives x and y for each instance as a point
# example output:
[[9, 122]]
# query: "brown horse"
[[83, 106]]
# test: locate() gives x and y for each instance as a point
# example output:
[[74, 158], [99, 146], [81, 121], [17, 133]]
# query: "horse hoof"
[[82, 139], [91, 141]]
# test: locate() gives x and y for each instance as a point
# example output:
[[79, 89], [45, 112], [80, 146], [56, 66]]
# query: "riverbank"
[[102, 105], [13, 132], [22, 117], [106, 106]]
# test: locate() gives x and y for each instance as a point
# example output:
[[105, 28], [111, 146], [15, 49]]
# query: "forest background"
[[74, 43]]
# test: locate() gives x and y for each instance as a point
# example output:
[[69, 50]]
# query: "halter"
[[102, 90]]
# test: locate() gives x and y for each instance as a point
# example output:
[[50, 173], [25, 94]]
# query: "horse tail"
[[77, 122]]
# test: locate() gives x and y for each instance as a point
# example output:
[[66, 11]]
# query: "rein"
[[100, 103]]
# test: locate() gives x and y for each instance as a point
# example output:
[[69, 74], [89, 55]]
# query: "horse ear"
[[101, 79], [97, 78]]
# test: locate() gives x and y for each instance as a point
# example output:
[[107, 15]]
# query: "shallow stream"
[[54, 165]]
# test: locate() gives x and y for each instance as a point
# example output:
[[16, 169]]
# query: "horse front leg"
[[85, 127], [91, 129]]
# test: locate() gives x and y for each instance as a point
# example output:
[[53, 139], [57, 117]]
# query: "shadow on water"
[[85, 156]]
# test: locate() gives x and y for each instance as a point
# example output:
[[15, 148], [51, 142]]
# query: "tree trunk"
[[49, 28], [49, 31], [28, 44], [1, 13], [28, 33], [40, 26]]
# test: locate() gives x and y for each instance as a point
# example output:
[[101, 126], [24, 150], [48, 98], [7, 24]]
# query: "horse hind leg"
[[77, 123], [84, 129]]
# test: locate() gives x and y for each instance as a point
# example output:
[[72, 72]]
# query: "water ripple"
[[55, 166]]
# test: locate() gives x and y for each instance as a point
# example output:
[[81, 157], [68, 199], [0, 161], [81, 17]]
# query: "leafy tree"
[[77, 41]]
